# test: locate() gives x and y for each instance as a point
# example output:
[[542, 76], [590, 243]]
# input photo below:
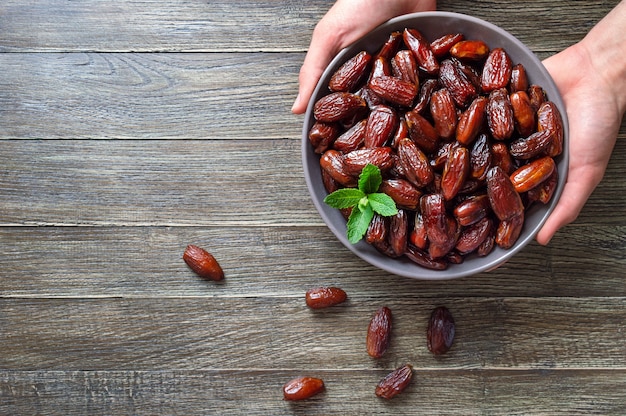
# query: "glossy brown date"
[[473, 50], [324, 297], [415, 164], [503, 198], [394, 90], [463, 91], [395, 382], [403, 192], [496, 71], [337, 106], [348, 76], [302, 388], [424, 55], [532, 174], [455, 172], [203, 263], [444, 113], [381, 124], [379, 332], [471, 121], [500, 116], [441, 330]]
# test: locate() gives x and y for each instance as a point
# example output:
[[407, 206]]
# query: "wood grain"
[[131, 129], [256, 392], [213, 333], [191, 182], [250, 26], [149, 96], [146, 262]]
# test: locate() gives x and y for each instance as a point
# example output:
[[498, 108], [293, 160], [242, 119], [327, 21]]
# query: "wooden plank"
[[114, 158], [244, 25], [149, 96], [146, 262], [154, 182], [253, 392], [197, 182], [258, 333]]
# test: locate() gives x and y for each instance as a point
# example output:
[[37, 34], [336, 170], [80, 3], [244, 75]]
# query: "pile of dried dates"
[[464, 143]]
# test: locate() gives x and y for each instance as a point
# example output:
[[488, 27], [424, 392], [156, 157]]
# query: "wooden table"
[[130, 129]]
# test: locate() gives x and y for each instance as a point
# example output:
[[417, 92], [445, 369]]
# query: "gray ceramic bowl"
[[433, 25]]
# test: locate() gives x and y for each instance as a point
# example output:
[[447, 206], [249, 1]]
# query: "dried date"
[[380, 127], [461, 88], [455, 172], [403, 192], [414, 163], [532, 174], [337, 106], [424, 55], [443, 112], [421, 131], [348, 76], [441, 330], [324, 297], [443, 45], [500, 116], [302, 388], [379, 332], [503, 198], [473, 50], [549, 118], [394, 90], [395, 382], [496, 71], [523, 113], [471, 121]]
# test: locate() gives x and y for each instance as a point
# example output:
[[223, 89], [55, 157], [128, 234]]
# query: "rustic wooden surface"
[[131, 129]]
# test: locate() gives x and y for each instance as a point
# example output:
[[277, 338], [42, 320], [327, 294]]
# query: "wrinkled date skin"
[[348, 76], [395, 382], [403, 192], [337, 106], [203, 263], [414, 163], [465, 144], [381, 125], [504, 199], [440, 331], [379, 332], [461, 88]]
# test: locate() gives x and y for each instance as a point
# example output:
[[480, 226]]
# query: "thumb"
[[322, 50]]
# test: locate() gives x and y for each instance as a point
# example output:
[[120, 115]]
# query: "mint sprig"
[[365, 201]]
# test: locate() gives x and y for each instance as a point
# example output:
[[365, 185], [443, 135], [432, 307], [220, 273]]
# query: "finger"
[[573, 198], [319, 56]]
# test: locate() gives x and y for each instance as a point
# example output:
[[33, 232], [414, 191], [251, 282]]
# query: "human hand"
[[593, 123], [595, 100], [346, 22]]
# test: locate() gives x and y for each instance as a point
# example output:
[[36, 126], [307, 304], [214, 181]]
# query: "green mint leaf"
[[344, 198], [363, 203], [370, 179], [358, 222], [382, 204]]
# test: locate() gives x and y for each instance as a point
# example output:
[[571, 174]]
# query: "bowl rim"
[[368, 253]]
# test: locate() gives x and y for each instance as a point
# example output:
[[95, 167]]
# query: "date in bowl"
[[500, 158]]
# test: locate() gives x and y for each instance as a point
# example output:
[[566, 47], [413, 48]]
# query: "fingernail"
[[296, 102]]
